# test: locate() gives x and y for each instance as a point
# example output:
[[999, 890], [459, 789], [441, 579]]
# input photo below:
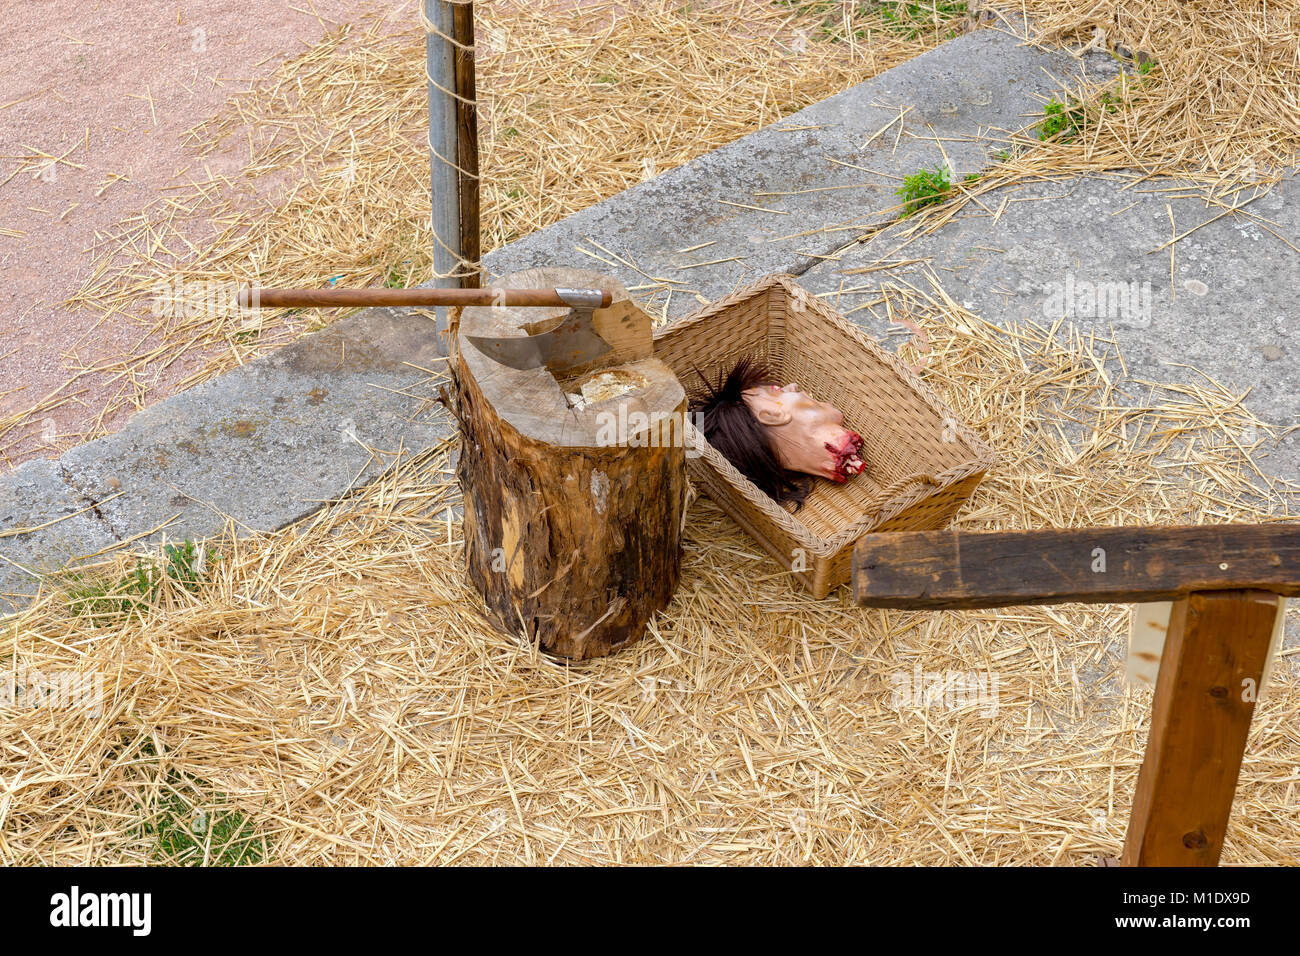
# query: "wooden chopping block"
[[573, 509]]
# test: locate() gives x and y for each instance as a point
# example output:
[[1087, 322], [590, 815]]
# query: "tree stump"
[[573, 510]]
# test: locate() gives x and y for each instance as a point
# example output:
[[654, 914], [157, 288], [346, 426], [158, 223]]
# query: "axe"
[[571, 343]]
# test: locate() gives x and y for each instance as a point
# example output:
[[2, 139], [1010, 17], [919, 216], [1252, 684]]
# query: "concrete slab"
[[268, 442], [693, 234], [1090, 249], [37, 495]]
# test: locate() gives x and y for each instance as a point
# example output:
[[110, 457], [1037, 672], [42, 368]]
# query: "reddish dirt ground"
[[109, 87]]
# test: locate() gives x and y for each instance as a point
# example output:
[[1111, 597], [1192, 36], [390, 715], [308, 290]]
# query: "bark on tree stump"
[[573, 515]]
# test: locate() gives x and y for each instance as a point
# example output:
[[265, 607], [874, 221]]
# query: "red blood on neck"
[[848, 458]]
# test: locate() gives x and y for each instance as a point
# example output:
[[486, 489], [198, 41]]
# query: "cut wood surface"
[[1210, 674], [573, 515], [531, 400], [954, 569]]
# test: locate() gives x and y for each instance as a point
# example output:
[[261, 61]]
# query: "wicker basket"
[[922, 463]]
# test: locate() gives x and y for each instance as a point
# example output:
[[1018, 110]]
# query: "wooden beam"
[[1210, 674], [935, 570], [467, 142]]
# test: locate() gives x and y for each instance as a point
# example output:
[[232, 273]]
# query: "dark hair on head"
[[731, 428]]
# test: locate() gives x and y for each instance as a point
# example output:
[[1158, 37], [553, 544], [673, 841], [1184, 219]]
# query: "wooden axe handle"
[[351, 298]]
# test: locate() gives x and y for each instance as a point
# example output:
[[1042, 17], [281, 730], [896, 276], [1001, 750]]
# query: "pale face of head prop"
[[776, 434], [809, 435]]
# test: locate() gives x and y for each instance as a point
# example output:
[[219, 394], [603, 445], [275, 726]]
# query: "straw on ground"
[[335, 686]]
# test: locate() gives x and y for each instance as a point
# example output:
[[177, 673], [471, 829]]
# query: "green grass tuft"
[[923, 188], [911, 20], [189, 824], [1064, 121], [397, 276], [186, 565], [907, 18]]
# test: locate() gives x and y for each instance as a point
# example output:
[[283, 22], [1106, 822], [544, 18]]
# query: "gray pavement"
[[265, 444], [1090, 249], [778, 199]]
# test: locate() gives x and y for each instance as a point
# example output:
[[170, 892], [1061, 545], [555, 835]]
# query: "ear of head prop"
[[770, 414]]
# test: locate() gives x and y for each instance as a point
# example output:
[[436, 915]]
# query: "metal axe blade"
[[571, 344]]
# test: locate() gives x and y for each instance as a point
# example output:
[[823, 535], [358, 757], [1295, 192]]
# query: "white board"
[[1146, 642]]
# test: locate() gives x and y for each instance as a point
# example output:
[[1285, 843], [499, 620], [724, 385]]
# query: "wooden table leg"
[[1210, 673]]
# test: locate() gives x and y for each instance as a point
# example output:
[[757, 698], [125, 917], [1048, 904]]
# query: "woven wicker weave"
[[921, 462]]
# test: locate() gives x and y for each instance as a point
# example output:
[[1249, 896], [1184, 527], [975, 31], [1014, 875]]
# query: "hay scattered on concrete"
[[1211, 86], [579, 105], [334, 689], [575, 107], [1207, 95]]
